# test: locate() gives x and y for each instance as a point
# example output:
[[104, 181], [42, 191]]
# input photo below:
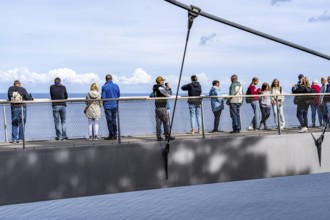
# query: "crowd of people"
[[262, 100]]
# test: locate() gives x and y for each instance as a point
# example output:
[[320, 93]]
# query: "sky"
[[81, 41]]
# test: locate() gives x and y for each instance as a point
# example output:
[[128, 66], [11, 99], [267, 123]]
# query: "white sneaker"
[[303, 129], [250, 128]]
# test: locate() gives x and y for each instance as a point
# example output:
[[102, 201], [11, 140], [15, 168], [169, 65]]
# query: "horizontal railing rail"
[[136, 115]]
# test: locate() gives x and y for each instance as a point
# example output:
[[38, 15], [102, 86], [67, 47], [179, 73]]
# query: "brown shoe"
[[192, 131]]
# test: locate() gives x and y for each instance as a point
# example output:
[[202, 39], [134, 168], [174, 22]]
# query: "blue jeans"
[[59, 113], [256, 112], [111, 116], [328, 111], [235, 116], [302, 116], [282, 118], [16, 123], [195, 111], [316, 108]]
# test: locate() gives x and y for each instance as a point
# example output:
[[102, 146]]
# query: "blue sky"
[[135, 41]]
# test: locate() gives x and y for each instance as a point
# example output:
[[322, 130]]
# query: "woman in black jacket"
[[302, 102]]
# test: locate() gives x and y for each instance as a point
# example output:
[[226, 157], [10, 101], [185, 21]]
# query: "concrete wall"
[[53, 173]]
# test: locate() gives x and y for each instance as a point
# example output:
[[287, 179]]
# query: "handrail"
[[141, 98]]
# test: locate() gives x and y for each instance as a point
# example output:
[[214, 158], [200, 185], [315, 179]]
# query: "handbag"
[[228, 100], [87, 106]]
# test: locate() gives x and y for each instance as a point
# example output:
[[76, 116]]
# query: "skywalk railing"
[[136, 117]]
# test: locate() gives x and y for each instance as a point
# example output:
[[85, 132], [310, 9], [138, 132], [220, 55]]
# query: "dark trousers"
[[217, 115], [162, 116], [302, 115], [111, 116], [235, 116], [265, 112]]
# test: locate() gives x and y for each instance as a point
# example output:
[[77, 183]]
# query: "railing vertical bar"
[[202, 112], [5, 123], [118, 123]]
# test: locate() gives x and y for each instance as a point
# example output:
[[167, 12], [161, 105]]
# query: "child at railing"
[[265, 103]]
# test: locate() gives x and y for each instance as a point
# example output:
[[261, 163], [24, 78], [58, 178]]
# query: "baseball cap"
[[300, 76], [159, 79]]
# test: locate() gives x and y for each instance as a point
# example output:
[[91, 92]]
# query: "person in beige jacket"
[[93, 111]]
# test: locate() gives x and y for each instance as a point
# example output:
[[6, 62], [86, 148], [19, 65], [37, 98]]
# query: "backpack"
[[16, 97], [248, 99]]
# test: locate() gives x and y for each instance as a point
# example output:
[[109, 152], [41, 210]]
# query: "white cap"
[[315, 82]]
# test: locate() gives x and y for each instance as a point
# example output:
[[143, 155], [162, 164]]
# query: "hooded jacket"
[[194, 89], [94, 109]]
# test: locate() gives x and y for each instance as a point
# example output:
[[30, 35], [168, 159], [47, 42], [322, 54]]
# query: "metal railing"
[[136, 116]]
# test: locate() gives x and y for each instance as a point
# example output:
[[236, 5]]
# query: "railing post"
[[202, 112], [5, 122], [278, 116], [118, 123], [23, 124]]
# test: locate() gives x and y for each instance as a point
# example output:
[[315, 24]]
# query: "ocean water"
[[299, 197], [136, 117]]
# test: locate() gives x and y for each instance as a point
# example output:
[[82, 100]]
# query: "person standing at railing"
[[315, 108], [93, 111], [276, 90], [16, 93], [160, 109], [265, 103], [168, 107], [235, 103], [322, 102], [253, 90], [194, 89], [58, 92], [216, 104], [302, 102], [110, 90], [327, 99]]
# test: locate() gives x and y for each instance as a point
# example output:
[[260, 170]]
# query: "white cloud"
[[67, 75], [139, 76]]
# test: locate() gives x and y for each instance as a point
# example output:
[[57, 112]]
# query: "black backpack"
[[248, 99]]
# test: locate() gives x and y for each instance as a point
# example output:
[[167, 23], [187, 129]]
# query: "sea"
[[299, 197], [136, 117]]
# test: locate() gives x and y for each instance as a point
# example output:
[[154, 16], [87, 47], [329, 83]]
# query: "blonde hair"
[[305, 82], [94, 87]]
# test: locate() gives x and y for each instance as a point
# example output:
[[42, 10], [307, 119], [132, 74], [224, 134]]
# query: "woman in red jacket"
[[315, 105]]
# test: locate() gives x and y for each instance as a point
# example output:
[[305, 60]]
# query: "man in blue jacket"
[[110, 90]]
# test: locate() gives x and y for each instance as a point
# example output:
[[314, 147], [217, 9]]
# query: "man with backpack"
[[17, 94]]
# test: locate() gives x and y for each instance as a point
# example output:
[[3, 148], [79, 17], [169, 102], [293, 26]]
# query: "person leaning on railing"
[[195, 105], [302, 102], [58, 92], [16, 93]]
